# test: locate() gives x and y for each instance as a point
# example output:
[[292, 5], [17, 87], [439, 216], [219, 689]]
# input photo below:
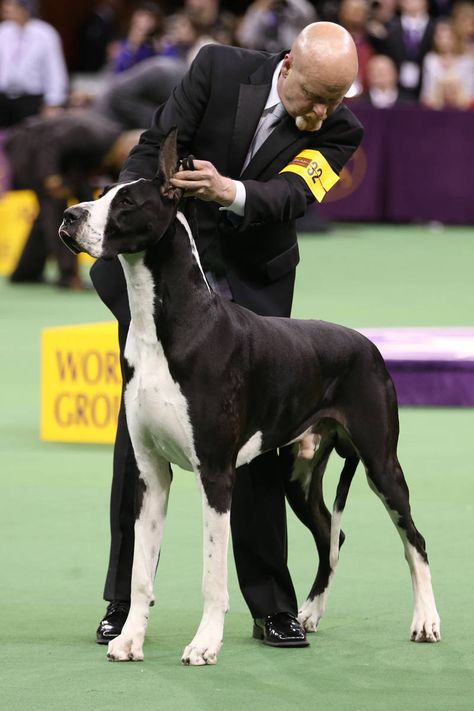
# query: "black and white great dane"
[[210, 385]]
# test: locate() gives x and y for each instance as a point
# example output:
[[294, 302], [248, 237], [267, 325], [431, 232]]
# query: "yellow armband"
[[313, 167]]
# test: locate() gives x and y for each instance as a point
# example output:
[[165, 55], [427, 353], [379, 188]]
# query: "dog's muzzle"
[[73, 217]]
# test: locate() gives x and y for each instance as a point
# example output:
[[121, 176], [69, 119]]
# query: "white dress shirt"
[[383, 98], [415, 24], [32, 61], [437, 69]]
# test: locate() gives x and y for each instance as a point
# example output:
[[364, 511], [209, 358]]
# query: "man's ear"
[[167, 166], [287, 65]]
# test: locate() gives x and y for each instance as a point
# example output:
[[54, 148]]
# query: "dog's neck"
[[166, 285]]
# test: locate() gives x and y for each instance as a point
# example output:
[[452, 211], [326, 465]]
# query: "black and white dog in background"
[[210, 385]]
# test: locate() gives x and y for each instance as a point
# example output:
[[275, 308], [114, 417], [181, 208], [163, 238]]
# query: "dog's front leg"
[[216, 499], [153, 490]]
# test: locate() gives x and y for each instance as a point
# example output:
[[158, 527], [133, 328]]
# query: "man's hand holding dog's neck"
[[205, 183]]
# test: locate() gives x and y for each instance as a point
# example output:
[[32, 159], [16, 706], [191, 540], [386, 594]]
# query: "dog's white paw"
[[197, 655], [310, 614], [425, 627], [125, 648]]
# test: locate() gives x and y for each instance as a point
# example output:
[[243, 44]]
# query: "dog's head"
[[130, 217]]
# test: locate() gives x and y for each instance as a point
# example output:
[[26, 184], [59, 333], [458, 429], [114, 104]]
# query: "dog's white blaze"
[[155, 404], [184, 222], [90, 236], [251, 449]]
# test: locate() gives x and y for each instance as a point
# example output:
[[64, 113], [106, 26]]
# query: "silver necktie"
[[268, 122]]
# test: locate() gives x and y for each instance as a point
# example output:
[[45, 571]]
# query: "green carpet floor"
[[54, 525]]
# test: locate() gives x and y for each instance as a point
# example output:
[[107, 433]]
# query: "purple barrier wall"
[[414, 165]]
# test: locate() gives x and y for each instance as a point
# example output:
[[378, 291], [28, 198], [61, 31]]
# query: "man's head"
[[413, 8], [381, 73], [203, 11], [145, 19], [445, 39], [19, 11], [353, 15], [383, 10], [317, 73]]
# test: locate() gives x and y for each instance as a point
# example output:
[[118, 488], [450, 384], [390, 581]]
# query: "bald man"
[[270, 136]]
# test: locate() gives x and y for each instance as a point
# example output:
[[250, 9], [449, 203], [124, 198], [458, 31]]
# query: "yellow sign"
[[85, 259], [80, 383], [18, 209], [313, 167]]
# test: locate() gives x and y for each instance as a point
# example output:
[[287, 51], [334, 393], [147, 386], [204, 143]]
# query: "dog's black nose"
[[72, 214]]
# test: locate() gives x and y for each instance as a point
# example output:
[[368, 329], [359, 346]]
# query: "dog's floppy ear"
[[167, 166]]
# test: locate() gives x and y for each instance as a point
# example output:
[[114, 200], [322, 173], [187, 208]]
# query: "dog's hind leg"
[[345, 480], [304, 493], [373, 429], [390, 485], [216, 499], [315, 604], [308, 503], [152, 501]]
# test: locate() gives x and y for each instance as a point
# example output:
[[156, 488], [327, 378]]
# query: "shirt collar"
[[417, 24], [381, 98], [273, 97]]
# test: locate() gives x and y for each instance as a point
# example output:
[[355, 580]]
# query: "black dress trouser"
[[258, 525], [14, 110]]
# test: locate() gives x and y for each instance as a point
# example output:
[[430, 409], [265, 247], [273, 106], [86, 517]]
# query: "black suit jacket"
[[216, 108]]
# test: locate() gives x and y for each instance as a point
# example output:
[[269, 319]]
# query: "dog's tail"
[[345, 481]]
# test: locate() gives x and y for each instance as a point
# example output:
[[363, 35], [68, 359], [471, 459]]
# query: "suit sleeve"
[[184, 110], [286, 196]]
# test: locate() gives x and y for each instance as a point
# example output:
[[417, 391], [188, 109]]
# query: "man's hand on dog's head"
[[205, 183]]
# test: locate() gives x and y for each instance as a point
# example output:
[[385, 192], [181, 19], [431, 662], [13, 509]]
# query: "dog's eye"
[[126, 201]]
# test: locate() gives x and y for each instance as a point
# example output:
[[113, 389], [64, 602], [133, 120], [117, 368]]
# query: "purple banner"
[[414, 165], [429, 366]]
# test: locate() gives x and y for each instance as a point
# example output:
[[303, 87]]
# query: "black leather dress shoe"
[[113, 621], [280, 630]]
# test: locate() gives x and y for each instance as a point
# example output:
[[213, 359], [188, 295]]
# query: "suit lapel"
[[398, 40], [251, 102], [250, 105]]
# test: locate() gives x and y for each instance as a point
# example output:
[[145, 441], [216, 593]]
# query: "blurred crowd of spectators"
[[409, 50], [426, 46], [417, 51]]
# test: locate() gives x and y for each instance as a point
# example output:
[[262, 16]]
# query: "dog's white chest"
[[156, 408], [157, 411]]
